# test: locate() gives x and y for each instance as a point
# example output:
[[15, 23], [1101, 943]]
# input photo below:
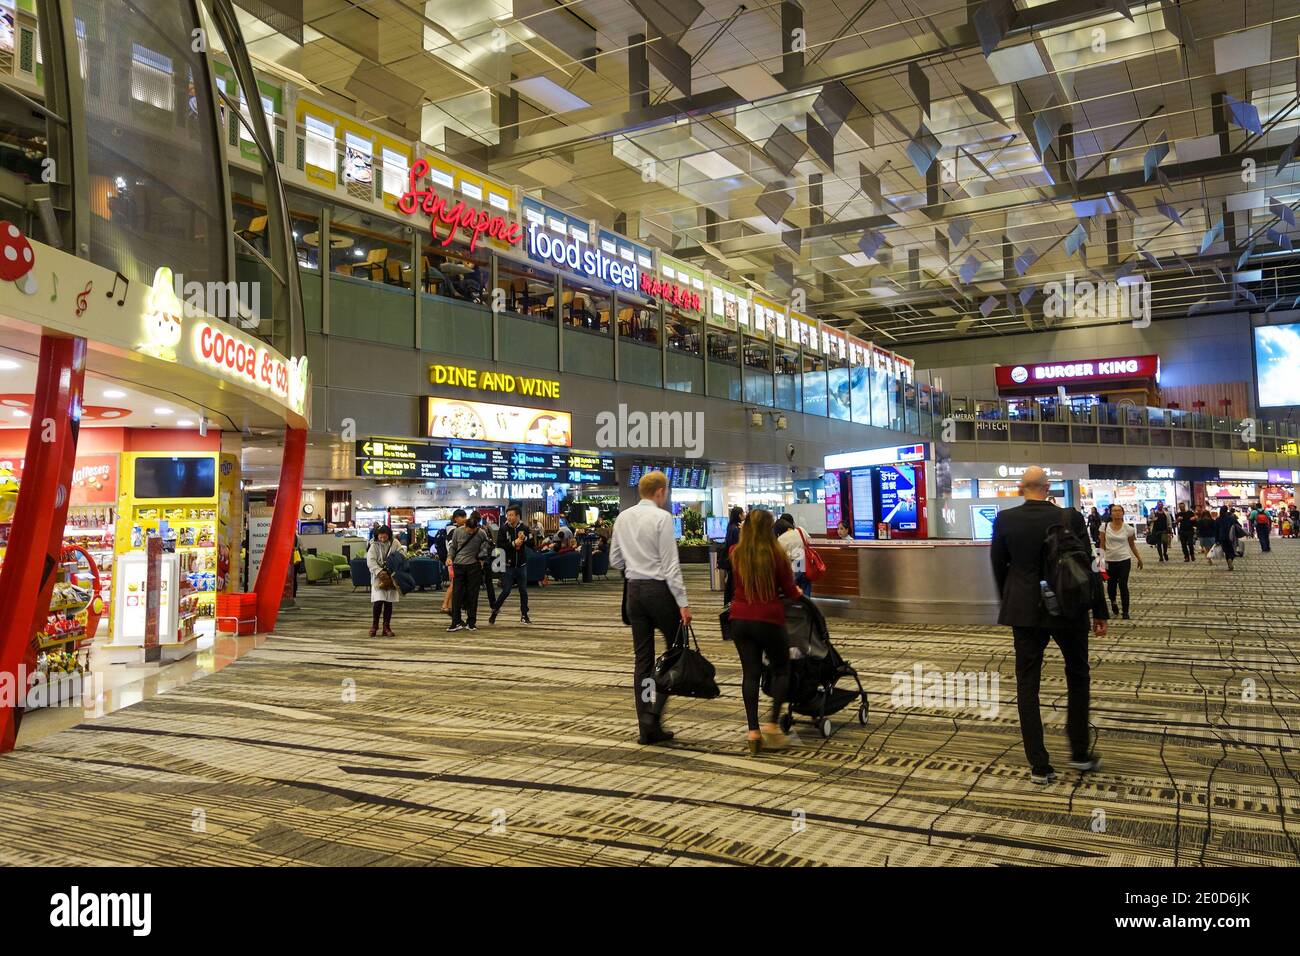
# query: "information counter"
[[910, 582]]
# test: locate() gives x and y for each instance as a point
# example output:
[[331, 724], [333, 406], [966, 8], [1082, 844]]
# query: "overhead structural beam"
[[976, 205], [793, 38], [886, 58], [638, 74]]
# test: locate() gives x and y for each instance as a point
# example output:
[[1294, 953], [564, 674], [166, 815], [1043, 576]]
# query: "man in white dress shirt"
[[644, 547]]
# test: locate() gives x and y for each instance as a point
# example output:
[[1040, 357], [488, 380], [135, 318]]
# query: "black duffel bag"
[[683, 671]]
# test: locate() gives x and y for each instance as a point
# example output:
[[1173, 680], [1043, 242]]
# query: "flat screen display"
[[981, 521], [677, 527], [185, 478], [898, 496], [1277, 359], [864, 499], [715, 528]]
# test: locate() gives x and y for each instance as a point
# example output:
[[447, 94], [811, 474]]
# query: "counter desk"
[[914, 582]]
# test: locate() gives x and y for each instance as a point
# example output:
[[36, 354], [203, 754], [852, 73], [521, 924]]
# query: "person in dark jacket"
[[1017, 555], [1187, 531], [1227, 529], [512, 538], [465, 556], [1206, 533], [734, 517], [1161, 529], [1094, 527]]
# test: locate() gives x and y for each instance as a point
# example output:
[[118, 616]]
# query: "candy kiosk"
[[189, 501]]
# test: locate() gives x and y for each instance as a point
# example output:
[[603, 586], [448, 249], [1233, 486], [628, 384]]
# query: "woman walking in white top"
[[1118, 546]]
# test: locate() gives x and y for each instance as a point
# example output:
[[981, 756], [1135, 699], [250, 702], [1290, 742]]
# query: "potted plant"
[[693, 548]]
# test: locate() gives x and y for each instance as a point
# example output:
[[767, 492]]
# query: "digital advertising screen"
[[834, 510], [863, 502], [981, 521], [898, 497], [1277, 359]]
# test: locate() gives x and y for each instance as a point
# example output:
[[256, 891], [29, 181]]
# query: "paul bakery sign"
[[471, 222], [1051, 374]]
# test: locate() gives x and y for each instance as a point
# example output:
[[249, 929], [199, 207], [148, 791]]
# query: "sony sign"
[[1160, 472]]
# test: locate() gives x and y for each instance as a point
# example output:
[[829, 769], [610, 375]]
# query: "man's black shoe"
[[492, 618], [1043, 775], [655, 735], [1085, 764]]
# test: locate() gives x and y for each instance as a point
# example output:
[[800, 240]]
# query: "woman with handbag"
[[807, 564], [762, 576], [384, 592]]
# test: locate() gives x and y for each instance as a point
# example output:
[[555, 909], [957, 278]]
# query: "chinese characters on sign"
[[671, 293]]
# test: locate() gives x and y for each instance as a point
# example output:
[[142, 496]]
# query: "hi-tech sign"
[[1051, 374], [581, 258]]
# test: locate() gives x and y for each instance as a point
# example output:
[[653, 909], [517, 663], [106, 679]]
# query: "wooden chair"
[[373, 265], [393, 272], [255, 229]]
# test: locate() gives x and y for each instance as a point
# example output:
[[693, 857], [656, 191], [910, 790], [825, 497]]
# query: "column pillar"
[[36, 535], [284, 524]]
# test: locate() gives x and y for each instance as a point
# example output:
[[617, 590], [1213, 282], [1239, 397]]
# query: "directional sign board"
[[428, 461]]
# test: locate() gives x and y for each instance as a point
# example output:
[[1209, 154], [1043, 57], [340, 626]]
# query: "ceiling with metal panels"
[[915, 169]]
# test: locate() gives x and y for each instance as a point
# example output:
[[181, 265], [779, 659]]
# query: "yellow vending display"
[[176, 497]]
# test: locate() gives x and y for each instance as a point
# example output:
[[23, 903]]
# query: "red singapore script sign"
[[475, 222]]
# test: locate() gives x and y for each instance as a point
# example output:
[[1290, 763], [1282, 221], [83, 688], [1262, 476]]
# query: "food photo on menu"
[[482, 421]]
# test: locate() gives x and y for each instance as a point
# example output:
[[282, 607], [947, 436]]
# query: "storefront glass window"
[[454, 272], [860, 398], [638, 319], [529, 291], [370, 248], [788, 379], [155, 187], [814, 384], [724, 347], [758, 371], [839, 398], [587, 307], [683, 329]]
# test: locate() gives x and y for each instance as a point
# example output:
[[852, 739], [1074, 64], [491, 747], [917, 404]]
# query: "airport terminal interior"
[[653, 433]]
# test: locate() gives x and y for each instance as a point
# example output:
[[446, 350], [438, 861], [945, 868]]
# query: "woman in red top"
[[762, 574]]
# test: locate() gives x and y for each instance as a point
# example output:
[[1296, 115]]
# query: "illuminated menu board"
[[428, 461]]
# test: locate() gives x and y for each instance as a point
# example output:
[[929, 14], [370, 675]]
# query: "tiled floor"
[[516, 745]]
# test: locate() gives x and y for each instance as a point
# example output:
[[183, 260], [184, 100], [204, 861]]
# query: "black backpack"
[[1067, 569]]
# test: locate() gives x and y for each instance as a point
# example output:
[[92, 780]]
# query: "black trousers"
[[728, 587], [1188, 541], [1117, 577], [464, 593], [1072, 639], [753, 639], [381, 607], [1263, 532], [489, 583], [514, 577], [650, 607]]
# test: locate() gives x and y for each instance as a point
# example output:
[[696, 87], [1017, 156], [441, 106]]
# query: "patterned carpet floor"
[[516, 745]]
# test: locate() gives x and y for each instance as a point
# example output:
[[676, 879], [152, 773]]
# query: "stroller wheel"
[[825, 726], [786, 722], [862, 712]]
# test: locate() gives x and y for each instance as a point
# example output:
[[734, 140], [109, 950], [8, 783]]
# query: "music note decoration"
[[126, 285]]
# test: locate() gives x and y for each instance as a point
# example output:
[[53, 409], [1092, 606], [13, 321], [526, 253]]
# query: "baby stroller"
[[815, 669]]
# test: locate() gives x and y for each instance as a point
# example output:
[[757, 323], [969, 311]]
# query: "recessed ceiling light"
[[19, 413], [9, 365], [163, 411], [114, 393], [184, 423]]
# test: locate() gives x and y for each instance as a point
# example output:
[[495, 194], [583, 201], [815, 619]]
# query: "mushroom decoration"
[[16, 258]]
